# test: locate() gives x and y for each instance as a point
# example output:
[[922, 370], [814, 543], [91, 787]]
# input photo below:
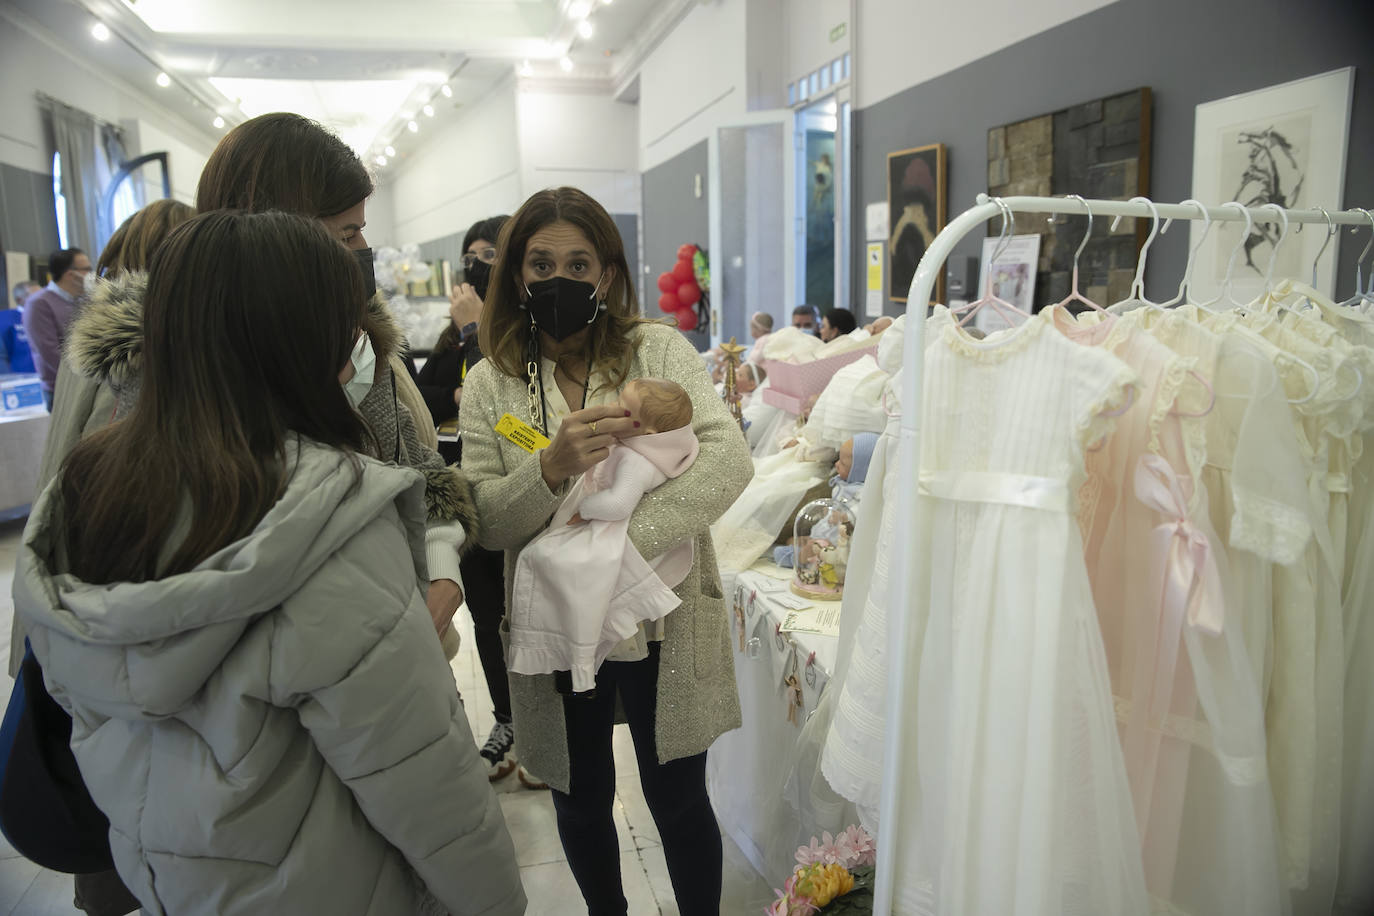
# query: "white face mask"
[[364, 368], [88, 282]]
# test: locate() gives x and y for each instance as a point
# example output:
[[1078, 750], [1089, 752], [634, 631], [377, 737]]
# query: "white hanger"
[[1360, 293], [1192, 254], [1074, 295], [1274, 255], [1235, 252], [999, 305], [1138, 284]]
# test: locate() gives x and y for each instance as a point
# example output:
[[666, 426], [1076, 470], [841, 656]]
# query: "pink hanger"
[[1074, 295], [999, 304]]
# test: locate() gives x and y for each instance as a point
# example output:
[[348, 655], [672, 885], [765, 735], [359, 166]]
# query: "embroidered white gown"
[[1014, 797]]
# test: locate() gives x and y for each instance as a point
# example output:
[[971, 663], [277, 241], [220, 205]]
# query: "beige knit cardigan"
[[697, 700]]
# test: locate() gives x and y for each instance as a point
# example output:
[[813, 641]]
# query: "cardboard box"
[[791, 385]]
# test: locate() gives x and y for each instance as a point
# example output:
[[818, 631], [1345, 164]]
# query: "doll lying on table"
[[581, 588], [851, 469]]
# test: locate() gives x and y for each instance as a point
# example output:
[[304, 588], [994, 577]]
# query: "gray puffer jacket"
[[276, 731]]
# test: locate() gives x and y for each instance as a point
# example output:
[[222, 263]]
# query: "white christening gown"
[[1014, 799]]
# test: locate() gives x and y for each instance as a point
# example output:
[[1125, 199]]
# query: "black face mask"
[[479, 275], [364, 256], [561, 307]]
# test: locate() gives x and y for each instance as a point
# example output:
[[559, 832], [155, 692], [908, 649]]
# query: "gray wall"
[[673, 214], [28, 218], [1186, 51]]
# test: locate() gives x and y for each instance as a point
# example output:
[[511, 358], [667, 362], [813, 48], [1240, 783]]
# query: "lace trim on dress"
[[1170, 384], [1240, 771], [1268, 528], [1095, 424], [996, 347]]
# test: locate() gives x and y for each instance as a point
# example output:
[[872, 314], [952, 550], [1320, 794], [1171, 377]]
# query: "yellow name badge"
[[522, 434]]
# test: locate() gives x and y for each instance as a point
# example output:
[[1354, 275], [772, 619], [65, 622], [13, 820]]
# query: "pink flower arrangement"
[[853, 848]]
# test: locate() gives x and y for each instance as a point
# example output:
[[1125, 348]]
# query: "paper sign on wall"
[[875, 221], [873, 302]]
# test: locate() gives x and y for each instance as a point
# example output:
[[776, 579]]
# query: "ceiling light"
[[413, 127], [381, 160], [428, 110], [390, 150], [584, 28], [164, 80], [219, 122], [566, 63], [606, 2], [526, 69], [448, 92], [579, 9], [100, 31]]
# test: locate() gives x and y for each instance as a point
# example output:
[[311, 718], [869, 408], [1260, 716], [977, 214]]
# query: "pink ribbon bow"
[[1191, 578]]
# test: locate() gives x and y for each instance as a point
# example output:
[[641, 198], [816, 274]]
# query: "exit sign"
[[838, 32]]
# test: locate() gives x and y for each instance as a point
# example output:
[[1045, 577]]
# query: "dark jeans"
[[484, 587], [675, 791]]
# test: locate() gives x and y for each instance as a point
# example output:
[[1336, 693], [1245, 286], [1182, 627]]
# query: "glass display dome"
[[820, 539]]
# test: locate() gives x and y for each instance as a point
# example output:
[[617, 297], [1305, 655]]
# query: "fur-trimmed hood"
[[106, 339]]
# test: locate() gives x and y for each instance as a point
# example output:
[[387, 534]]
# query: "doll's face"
[[845, 463], [744, 379]]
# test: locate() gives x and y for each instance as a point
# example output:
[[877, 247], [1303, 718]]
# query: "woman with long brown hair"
[[562, 335], [287, 162], [222, 591]]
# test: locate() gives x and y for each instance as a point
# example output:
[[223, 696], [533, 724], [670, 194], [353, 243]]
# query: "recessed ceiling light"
[[579, 9], [219, 122], [446, 90], [526, 69], [390, 150], [584, 28], [566, 63], [100, 31], [428, 110], [605, 2], [164, 80], [381, 160], [413, 127]]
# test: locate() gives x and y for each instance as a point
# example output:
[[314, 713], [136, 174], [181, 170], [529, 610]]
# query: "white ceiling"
[[364, 68]]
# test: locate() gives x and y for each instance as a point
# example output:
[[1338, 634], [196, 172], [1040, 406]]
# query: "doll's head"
[[855, 454], [658, 404], [748, 377]]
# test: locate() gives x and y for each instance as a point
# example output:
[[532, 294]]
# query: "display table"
[[759, 775], [22, 436]]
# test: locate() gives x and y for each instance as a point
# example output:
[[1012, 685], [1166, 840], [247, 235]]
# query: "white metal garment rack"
[[904, 588]]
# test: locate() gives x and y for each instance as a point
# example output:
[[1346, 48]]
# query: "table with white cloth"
[[22, 436], [759, 775]]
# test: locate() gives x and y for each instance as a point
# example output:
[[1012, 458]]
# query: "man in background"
[[23, 290], [807, 318], [47, 314]]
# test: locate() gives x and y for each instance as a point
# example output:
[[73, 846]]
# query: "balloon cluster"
[[684, 288]]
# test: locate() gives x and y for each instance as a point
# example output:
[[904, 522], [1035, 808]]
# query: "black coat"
[[443, 373]]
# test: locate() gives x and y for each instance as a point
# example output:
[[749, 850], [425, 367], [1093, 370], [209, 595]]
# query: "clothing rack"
[[904, 585]]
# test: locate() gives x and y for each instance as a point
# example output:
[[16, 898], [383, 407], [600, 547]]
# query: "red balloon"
[[669, 302], [688, 293], [667, 283], [685, 252], [683, 271], [686, 319]]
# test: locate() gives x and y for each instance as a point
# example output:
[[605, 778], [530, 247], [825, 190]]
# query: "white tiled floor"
[[27, 889]]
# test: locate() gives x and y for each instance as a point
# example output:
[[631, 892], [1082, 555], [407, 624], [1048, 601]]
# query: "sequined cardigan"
[[697, 700]]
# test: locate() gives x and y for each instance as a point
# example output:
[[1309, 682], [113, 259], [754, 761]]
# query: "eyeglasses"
[[486, 256]]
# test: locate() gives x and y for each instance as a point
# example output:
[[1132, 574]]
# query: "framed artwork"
[[1284, 145], [917, 198], [1098, 149]]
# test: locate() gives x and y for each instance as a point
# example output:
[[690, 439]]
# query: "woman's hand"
[[443, 600], [464, 305], [458, 396], [584, 438]]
